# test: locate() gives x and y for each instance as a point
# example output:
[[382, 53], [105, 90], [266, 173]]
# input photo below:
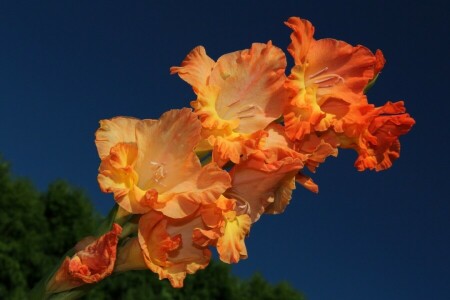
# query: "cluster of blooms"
[[200, 178]]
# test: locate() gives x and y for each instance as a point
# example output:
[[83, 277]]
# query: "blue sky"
[[64, 65]]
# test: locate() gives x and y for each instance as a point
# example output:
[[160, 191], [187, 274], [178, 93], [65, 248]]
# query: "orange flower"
[[375, 136], [93, 261], [150, 164], [237, 97], [168, 248], [328, 76], [225, 227], [267, 177]]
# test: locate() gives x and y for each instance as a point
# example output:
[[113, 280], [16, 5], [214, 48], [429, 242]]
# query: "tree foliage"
[[37, 228]]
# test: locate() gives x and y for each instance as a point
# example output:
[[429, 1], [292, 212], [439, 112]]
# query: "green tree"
[[37, 228]]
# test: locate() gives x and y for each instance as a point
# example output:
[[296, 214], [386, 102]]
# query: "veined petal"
[[114, 131], [251, 86], [301, 38], [339, 69], [160, 169], [307, 182], [243, 94], [118, 176], [173, 169], [165, 149], [204, 187], [255, 182], [328, 77], [282, 196], [195, 68]]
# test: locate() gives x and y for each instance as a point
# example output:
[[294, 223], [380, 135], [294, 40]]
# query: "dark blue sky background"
[[64, 65]]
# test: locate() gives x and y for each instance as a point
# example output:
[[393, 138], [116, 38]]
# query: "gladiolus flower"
[[226, 227], [168, 248], [267, 177], [92, 262], [328, 76], [375, 137], [150, 164], [237, 97]]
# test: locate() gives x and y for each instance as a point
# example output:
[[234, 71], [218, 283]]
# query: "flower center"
[[159, 172], [241, 111]]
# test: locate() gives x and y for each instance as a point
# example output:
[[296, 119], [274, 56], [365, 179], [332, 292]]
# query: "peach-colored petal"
[[226, 228], [168, 247], [255, 182], [205, 186], [243, 94], [114, 131], [233, 148], [307, 182], [118, 176], [231, 246], [195, 68], [160, 170], [251, 86], [282, 196], [91, 264]]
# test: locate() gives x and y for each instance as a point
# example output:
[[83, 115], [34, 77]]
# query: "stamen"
[[232, 103], [242, 206], [159, 173], [247, 116], [318, 73], [249, 108], [329, 77]]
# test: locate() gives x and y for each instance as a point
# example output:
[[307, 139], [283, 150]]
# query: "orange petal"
[[282, 196], [168, 247], [114, 131], [317, 148], [380, 62], [91, 264], [245, 92], [173, 169], [195, 68], [301, 38], [307, 182], [235, 147], [386, 129], [230, 245], [118, 176], [203, 187], [251, 86], [339, 69], [255, 182]]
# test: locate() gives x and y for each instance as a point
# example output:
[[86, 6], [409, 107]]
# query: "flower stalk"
[[197, 179]]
